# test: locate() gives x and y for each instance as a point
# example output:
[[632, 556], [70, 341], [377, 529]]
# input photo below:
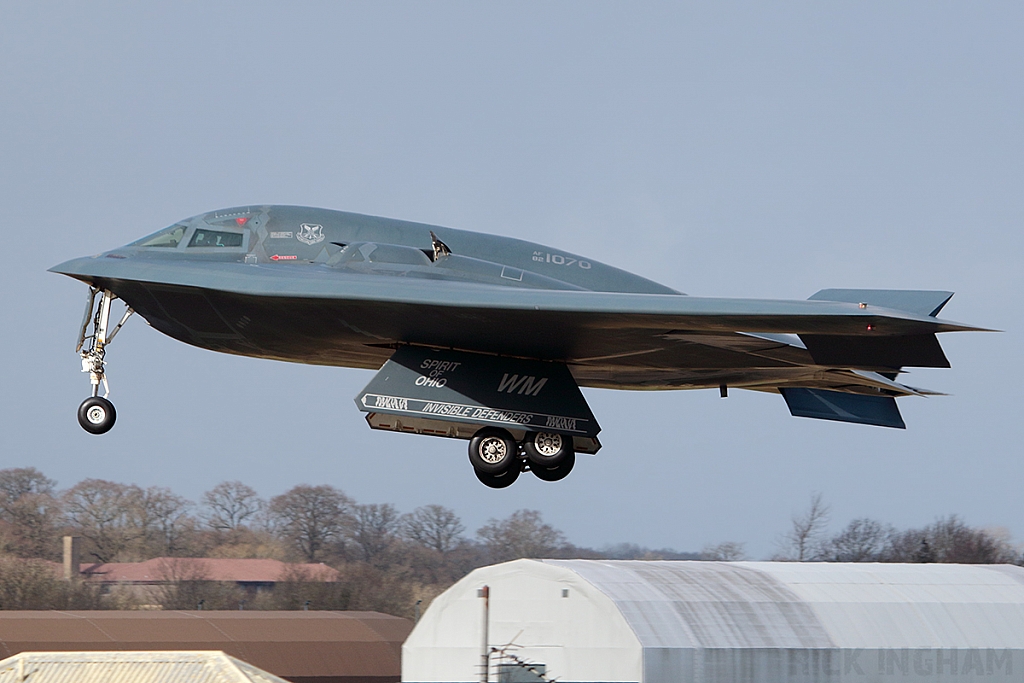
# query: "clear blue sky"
[[749, 149]]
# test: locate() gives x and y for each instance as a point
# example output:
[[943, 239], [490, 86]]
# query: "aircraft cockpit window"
[[381, 253], [168, 238], [215, 238], [394, 253], [348, 254]]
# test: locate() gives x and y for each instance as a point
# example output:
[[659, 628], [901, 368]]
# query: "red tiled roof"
[[161, 569]]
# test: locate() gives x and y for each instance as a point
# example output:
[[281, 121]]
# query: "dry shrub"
[[34, 584]]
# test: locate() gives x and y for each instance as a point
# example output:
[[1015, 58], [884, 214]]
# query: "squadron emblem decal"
[[310, 233]]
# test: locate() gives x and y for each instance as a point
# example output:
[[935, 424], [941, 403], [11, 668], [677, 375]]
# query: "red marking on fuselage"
[[275, 257]]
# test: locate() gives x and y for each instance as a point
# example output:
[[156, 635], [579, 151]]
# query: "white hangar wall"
[[711, 622], [583, 632]]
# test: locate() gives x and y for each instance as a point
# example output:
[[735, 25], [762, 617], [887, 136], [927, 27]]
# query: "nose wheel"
[[96, 415]]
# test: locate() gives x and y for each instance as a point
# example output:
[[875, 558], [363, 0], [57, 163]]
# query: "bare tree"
[[632, 551], [231, 505], [434, 527], [125, 522], [181, 582], [863, 540], [728, 551], [102, 512], [303, 587], [16, 482], [29, 512], [311, 517], [436, 551], [186, 583], [521, 534], [373, 530], [954, 541], [949, 540], [163, 522], [371, 588], [803, 541]]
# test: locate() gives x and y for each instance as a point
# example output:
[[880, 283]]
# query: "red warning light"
[[243, 220], [870, 327]]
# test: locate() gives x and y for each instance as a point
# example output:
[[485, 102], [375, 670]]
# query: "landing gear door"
[[457, 392]]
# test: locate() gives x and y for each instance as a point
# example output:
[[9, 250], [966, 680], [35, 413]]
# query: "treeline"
[[948, 539], [388, 561]]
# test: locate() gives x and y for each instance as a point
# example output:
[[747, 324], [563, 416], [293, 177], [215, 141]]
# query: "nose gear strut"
[[97, 414]]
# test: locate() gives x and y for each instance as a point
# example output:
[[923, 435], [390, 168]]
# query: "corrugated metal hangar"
[[618, 621], [136, 667]]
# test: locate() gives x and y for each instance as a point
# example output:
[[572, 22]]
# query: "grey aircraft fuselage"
[[333, 288], [276, 295], [302, 300]]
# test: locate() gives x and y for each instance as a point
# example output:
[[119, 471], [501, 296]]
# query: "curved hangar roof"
[[591, 620]]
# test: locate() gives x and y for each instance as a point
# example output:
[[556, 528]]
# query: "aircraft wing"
[[608, 339], [608, 309]]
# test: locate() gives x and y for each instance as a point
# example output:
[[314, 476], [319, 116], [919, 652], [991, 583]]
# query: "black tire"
[[558, 472], [96, 415], [492, 450], [545, 449], [499, 481]]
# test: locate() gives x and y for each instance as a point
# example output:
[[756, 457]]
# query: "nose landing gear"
[[96, 415], [498, 459]]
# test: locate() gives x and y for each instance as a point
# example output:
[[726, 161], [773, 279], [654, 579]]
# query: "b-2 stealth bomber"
[[490, 338]]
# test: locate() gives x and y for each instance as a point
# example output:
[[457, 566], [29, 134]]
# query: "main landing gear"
[[498, 459], [97, 414]]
